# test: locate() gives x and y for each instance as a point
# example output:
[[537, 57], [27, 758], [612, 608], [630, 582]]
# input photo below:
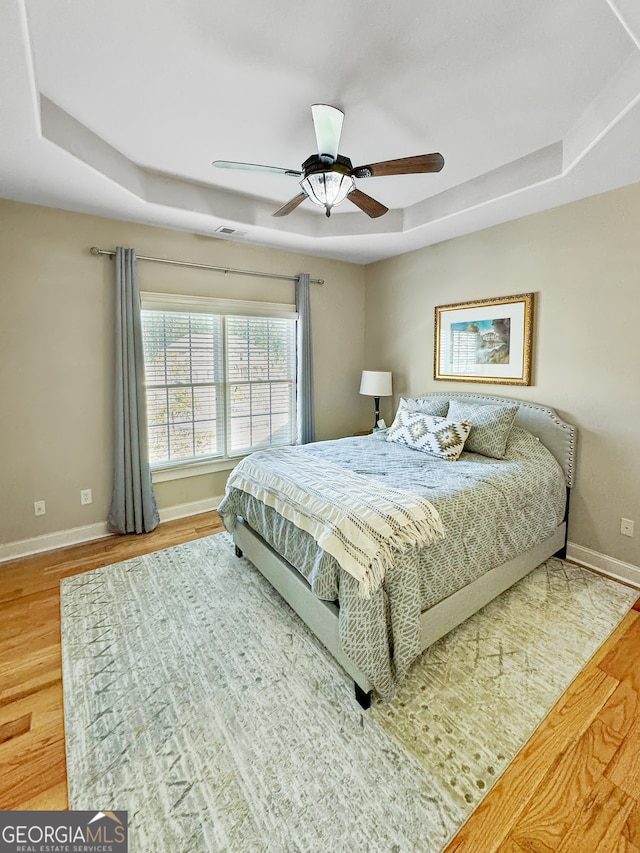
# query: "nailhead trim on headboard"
[[557, 436]]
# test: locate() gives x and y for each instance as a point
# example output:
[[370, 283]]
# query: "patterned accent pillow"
[[426, 407], [491, 425], [439, 437]]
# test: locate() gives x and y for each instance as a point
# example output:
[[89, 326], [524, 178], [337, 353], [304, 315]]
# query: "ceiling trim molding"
[[618, 97], [611, 104], [118, 181], [628, 13]]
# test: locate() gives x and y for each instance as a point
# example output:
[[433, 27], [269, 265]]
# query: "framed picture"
[[485, 341]]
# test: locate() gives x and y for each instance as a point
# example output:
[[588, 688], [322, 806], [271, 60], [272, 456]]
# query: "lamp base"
[[376, 401]]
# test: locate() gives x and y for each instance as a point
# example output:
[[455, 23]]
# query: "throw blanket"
[[358, 520]]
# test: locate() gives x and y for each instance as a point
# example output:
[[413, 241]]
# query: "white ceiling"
[[118, 107]]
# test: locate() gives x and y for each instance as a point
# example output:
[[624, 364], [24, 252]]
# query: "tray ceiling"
[[119, 108]]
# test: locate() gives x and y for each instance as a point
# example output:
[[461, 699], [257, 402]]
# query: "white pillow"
[[439, 437]]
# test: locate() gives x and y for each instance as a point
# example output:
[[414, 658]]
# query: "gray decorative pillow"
[[437, 408], [439, 437], [429, 406], [491, 425]]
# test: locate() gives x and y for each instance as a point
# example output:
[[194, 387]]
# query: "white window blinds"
[[185, 387], [261, 374], [217, 385]]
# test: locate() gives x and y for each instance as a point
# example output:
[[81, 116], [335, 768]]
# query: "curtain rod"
[[96, 251]]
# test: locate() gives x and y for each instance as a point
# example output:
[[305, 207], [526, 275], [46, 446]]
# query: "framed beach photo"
[[485, 341]]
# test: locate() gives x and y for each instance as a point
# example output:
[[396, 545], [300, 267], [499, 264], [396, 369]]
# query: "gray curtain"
[[133, 502], [306, 416]]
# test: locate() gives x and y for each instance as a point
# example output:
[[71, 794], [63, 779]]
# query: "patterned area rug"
[[196, 700]]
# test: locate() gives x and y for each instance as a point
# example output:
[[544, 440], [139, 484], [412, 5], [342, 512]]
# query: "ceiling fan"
[[328, 177]]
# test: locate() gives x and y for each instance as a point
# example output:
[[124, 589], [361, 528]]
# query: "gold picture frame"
[[489, 340]]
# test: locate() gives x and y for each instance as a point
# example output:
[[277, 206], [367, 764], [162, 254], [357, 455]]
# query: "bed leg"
[[363, 699], [238, 551]]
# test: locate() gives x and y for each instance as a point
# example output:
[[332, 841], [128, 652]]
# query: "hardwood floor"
[[33, 773], [574, 788], [570, 787]]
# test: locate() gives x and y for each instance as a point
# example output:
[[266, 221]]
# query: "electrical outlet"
[[39, 508], [85, 496], [626, 527]]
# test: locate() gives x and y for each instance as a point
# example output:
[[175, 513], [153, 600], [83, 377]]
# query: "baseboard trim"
[[171, 513], [615, 569], [50, 541], [90, 532]]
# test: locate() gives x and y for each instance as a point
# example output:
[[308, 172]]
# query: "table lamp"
[[376, 384]]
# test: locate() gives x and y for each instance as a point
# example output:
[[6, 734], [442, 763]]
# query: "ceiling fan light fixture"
[[327, 189], [328, 177]]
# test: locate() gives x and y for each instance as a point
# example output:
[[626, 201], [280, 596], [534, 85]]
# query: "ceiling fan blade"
[[290, 205], [369, 205], [402, 166], [327, 122], [253, 167]]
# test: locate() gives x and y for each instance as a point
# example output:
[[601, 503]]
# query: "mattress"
[[492, 510]]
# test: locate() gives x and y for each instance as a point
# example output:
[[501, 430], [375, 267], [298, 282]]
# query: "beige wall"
[[583, 262], [56, 328], [56, 352]]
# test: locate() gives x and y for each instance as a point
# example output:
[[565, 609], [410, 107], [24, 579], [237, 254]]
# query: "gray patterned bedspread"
[[492, 509]]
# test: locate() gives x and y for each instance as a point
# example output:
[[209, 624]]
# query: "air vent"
[[230, 232]]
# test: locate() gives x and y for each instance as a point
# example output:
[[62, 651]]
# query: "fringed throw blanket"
[[360, 521]]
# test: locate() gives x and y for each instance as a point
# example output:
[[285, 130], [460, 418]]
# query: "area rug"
[[196, 700]]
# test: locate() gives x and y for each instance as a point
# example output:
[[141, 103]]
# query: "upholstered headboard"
[[557, 436]]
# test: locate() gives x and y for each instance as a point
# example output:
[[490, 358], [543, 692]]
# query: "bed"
[[502, 517]]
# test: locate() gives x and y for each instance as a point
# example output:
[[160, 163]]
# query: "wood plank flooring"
[[574, 788], [33, 773]]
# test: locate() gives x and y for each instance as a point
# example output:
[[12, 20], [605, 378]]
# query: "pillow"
[[441, 437], [427, 407], [491, 425]]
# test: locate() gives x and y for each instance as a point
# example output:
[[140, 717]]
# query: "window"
[[220, 377]]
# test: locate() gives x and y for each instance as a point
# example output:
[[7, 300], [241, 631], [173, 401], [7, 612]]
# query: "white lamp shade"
[[376, 383]]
